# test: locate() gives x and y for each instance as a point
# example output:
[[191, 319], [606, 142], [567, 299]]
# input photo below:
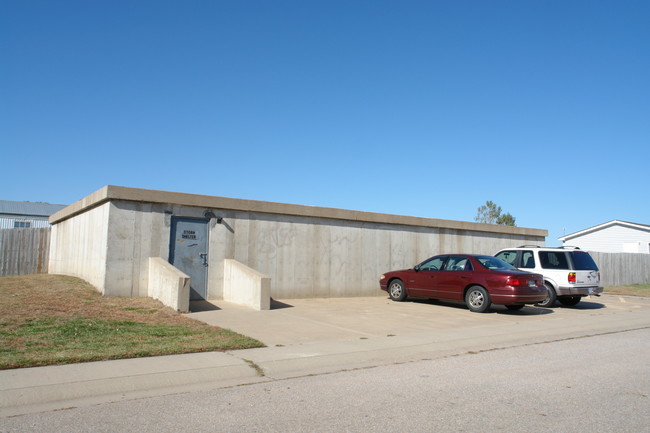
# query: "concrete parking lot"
[[299, 321], [314, 336]]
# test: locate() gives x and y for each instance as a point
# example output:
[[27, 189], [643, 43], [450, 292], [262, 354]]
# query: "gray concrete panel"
[[108, 237], [79, 246]]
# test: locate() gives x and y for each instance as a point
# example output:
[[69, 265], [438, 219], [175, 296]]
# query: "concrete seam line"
[[410, 361], [259, 370]]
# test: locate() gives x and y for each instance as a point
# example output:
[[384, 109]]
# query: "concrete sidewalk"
[[314, 336]]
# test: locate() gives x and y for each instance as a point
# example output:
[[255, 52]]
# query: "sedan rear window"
[[493, 263], [583, 261]]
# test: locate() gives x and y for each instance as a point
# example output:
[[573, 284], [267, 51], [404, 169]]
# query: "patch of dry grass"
[[54, 319], [633, 290]]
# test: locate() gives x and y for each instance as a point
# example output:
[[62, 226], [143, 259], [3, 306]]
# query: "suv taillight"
[[572, 277]]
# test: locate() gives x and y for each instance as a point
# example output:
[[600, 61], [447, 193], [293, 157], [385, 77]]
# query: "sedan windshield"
[[495, 264]]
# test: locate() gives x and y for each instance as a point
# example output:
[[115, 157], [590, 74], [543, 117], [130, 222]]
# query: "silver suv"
[[569, 273]]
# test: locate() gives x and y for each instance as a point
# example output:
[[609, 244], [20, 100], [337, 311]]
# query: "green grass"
[[54, 319], [61, 341], [632, 290], [48, 320]]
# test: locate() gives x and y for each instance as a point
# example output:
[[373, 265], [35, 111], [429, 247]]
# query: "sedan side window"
[[435, 264], [458, 264]]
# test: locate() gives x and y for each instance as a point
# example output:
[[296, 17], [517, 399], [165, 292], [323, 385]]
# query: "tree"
[[490, 213]]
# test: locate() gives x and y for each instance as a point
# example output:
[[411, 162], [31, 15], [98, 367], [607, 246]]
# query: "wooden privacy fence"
[[622, 269], [24, 251]]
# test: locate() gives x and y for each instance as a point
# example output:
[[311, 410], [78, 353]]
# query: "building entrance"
[[189, 252]]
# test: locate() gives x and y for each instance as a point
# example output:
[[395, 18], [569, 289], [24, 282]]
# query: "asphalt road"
[[595, 383]]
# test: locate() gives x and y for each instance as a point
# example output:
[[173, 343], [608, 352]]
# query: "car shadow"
[[452, 304], [583, 305], [528, 310]]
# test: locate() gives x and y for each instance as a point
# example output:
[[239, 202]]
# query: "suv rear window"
[[553, 260], [583, 261]]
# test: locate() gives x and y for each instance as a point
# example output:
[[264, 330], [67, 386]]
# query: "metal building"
[[25, 214]]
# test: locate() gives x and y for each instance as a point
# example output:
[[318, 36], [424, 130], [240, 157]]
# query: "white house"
[[612, 237]]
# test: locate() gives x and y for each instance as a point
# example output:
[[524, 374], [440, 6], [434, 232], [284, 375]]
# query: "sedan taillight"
[[514, 281], [523, 282]]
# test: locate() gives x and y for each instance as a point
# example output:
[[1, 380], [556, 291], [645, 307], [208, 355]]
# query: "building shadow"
[[277, 305], [200, 306]]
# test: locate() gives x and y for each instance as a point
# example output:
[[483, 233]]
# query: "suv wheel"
[[550, 297]]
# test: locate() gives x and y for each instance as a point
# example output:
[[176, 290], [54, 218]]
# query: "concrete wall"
[[319, 257], [108, 237], [78, 246], [169, 285], [245, 286]]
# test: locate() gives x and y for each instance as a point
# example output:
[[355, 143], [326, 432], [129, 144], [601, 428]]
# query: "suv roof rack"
[[563, 247]]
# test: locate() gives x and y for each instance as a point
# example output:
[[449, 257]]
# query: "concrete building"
[[612, 237], [175, 246]]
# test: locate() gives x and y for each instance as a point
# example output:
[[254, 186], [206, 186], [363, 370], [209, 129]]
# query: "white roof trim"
[[602, 226]]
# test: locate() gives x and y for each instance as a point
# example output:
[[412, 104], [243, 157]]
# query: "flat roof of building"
[[112, 193]]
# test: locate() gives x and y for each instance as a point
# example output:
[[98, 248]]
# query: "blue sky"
[[424, 108]]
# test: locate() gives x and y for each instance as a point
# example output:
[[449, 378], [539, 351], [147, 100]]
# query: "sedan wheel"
[[396, 290], [477, 299]]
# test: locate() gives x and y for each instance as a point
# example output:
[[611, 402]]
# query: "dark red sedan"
[[477, 280]]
